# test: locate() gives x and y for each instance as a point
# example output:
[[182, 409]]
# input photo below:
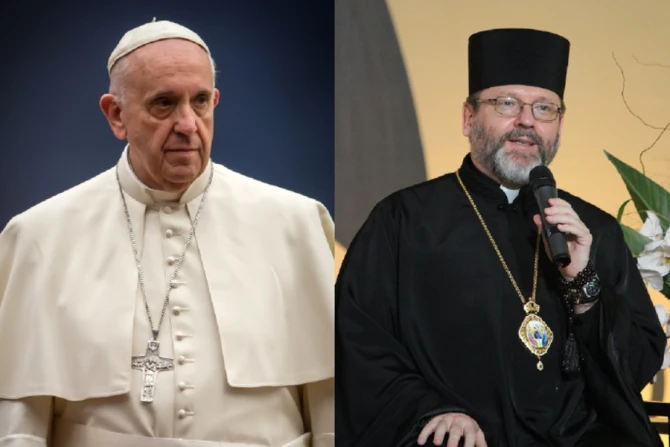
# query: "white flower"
[[652, 279], [654, 261], [662, 314], [652, 227], [663, 318], [666, 360]]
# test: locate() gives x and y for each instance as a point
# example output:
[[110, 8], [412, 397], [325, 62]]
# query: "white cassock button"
[[167, 210], [176, 310], [180, 337], [171, 260], [182, 386], [169, 233], [182, 414], [181, 360], [174, 283]]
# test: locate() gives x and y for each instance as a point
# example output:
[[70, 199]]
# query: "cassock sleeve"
[[25, 422], [381, 397], [624, 317], [319, 409], [586, 329]]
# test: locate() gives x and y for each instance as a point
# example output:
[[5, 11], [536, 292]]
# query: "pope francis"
[[168, 301]]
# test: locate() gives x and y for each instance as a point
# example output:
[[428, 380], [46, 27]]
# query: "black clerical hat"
[[518, 56]]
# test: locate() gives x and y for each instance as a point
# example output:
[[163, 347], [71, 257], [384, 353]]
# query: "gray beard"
[[488, 150]]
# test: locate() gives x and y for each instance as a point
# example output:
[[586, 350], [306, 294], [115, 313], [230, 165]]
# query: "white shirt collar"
[[510, 193]]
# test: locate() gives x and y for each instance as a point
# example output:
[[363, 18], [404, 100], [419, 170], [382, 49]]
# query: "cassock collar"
[[476, 181], [134, 187], [480, 183]]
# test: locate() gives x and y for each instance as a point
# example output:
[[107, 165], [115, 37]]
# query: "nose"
[[526, 118], [185, 122]]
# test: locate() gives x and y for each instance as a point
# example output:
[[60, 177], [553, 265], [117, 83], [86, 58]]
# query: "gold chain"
[[495, 247]]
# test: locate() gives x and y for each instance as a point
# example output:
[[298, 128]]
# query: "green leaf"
[[645, 193], [634, 240], [666, 287], [619, 215]]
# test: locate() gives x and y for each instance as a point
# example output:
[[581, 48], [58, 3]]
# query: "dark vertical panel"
[[377, 143]]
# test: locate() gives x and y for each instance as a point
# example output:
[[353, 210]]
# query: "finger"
[[454, 436], [470, 436], [569, 220], [557, 209], [428, 429], [562, 214], [576, 228], [582, 234], [480, 440], [441, 430], [556, 201]]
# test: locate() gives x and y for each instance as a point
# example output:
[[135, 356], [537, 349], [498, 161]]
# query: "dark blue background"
[[275, 73]]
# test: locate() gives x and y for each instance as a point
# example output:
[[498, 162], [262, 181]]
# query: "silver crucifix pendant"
[[150, 364]]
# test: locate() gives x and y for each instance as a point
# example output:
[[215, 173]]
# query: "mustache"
[[518, 133]]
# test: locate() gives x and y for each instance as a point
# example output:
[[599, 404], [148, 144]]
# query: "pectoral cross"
[[150, 364]]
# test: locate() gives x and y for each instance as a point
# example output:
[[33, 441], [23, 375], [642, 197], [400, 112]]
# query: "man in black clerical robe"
[[427, 318]]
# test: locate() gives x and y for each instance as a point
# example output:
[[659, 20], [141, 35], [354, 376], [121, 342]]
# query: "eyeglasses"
[[508, 106]]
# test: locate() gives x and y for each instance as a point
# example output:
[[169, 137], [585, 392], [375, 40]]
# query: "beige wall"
[[433, 37]]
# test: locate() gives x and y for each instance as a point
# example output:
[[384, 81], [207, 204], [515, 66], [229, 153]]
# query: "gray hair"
[[117, 77]]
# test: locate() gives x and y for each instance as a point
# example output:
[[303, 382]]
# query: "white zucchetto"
[[152, 32]]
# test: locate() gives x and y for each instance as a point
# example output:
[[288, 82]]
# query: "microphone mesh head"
[[541, 176]]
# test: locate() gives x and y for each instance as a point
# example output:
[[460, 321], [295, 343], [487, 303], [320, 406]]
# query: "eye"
[[163, 102], [543, 107], [507, 102], [201, 100]]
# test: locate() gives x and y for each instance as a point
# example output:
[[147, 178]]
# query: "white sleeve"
[[319, 417], [25, 422]]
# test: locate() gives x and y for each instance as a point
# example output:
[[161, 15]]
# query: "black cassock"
[[427, 322]]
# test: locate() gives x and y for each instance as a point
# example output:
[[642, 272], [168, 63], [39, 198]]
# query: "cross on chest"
[[151, 364]]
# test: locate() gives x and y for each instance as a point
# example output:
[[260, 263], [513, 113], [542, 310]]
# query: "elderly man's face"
[[167, 114], [507, 148]]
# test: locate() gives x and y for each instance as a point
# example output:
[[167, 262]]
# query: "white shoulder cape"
[[68, 285]]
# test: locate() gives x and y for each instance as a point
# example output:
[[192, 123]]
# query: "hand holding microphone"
[[566, 238]]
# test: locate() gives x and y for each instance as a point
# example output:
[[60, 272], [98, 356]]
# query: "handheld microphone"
[[543, 186]]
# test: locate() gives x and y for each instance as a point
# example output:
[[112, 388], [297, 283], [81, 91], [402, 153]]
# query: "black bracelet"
[[580, 280]]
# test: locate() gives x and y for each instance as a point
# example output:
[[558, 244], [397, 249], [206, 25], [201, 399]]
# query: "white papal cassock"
[[249, 324]]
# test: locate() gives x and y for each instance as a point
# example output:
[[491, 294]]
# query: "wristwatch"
[[590, 292], [584, 288]]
